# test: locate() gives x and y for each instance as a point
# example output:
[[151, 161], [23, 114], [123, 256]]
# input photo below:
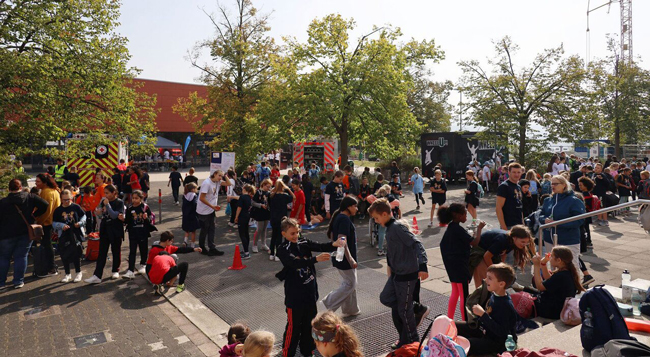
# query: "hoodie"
[[561, 206], [53, 197], [11, 223]]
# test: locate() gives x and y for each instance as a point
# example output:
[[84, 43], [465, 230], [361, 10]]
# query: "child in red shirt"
[[298, 209], [275, 174], [161, 266]]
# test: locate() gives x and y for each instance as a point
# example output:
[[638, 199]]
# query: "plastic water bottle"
[[625, 286], [340, 252], [511, 345], [625, 277], [587, 321], [425, 352]]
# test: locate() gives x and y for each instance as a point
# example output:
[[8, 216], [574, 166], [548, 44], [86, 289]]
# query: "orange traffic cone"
[[416, 229], [236, 262]]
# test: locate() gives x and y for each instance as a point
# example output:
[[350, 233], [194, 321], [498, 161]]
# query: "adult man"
[[334, 193], [609, 160], [576, 175], [206, 208], [509, 206], [166, 154], [60, 170]]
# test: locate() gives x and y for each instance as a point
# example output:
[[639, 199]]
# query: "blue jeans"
[[16, 247]]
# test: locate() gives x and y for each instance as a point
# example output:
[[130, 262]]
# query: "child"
[[298, 209], [333, 337], [455, 248], [190, 221], [87, 202], [529, 202], [624, 183], [438, 188], [237, 335], [261, 214], [644, 185], [378, 183], [472, 195], [364, 192], [418, 186], [175, 180], [546, 186], [68, 221], [138, 224], [163, 270], [555, 287], [300, 286], [275, 174], [531, 176], [499, 317], [308, 189], [259, 344], [396, 186], [407, 263], [243, 216], [278, 201], [334, 193], [592, 203], [486, 176]]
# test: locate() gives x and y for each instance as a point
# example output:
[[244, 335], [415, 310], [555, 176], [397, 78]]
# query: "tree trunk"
[[343, 142], [617, 140], [522, 142]]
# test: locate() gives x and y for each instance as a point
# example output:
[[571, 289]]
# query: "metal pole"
[[160, 205]]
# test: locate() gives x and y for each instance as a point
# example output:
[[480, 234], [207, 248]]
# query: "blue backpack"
[[265, 172], [607, 323]]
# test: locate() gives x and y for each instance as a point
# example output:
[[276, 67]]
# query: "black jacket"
[[11, 223]]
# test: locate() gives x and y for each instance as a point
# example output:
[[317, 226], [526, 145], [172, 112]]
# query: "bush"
[[406, 166]]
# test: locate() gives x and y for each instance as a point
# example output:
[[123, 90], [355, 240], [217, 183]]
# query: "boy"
[[624, 184], [364, 192], [643, 188], [157, 269], [499, 317], [529, 203], [334, 194], [176, 180], [407, 263], [350, 181], [396, 186], [263, 172], [300, 286]]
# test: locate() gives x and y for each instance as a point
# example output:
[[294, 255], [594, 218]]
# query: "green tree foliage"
[[355, 91], [240, 69], [64, 69], [428, 102], [531, 105]]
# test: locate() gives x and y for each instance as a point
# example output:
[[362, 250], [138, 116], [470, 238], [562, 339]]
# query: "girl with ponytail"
[[555, 286], [333, 337]]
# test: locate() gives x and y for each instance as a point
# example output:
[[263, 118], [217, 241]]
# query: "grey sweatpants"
[[398, 295], [260, 234], [345, 296]]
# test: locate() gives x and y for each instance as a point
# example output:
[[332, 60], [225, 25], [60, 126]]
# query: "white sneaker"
[[142, 270], [67, 278], [277, 259], [115, 275], [128, 275], [93, 280], [77, 277], [271, 257], [255, 250], [266, 247], [430, 224]]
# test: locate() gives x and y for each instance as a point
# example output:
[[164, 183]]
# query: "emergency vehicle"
[[324, 153], [106, 157]]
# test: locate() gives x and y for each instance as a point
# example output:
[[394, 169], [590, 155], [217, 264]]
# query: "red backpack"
[[524, 304], [592, 203]]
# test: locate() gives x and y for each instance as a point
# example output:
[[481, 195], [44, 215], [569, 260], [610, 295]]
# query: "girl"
[[531, 176], [243, 216], [471, 195], [418, 186], [232, 197], [68, 220], [495, 245], [259, 344], [138, 224], [455, 250], [237, 335], [333, 337], [261, 214], [298, 209], [364, 192], [190, 220], [275, 174], [308, 189], [87, 202], [341, 225], [438, 194], [555, 286], [278, 201]]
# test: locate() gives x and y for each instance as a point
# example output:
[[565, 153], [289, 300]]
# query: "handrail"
[[586, 215]]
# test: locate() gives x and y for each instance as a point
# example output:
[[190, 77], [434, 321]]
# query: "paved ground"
[[137, 321]]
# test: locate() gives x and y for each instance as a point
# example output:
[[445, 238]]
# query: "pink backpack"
[[442, 346], [524, 304], [570, 314]]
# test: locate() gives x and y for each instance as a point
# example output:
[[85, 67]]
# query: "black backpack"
[[607, 323], [626, 348], [239, 187]]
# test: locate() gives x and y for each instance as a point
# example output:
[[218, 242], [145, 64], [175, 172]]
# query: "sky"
[[160, 32]]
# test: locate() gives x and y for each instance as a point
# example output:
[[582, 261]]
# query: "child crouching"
[[161, 266]]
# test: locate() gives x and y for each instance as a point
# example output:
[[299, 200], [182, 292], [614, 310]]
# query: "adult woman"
[[493, 247], [50, 193], [554, 160], [14, 240], [563, 204], [341, 226]]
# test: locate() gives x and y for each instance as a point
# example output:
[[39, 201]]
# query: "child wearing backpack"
[[243, 216], [643, 188], [455, 249], [472, 194], [498, 319], [555, 287], [138, 224], [545, 186]]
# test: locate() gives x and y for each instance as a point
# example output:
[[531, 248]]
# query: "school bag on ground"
[[92, 249], [544, 352], [479, 296], [606, 322], [524, 304], [625, 348], [40, 260], [441, 345], [570, 314], [412, 349]]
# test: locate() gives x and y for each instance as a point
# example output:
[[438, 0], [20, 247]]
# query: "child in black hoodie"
[[300, 287]]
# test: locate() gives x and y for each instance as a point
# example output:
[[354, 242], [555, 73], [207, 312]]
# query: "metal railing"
[[585, 215]]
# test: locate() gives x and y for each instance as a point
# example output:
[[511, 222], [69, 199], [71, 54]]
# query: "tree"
[[427, 100], [356, 92], [241, 54], [64, 70], [530, 101]]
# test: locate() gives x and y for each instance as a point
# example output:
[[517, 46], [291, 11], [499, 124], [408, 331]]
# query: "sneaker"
[[271, 257], [192, 245], [234, 225], [590, 245], [255, 250], [67, 278], [77, 277], [430, 225], [422, 314], [215, 252], [380, 252], [142, 270], [49, 273], [350, 315], [128, 275], [180, 288], [93, 280], [204, 251], [394, 345], [158, 289], [18, 286], [266, 248], [115, 275], [4, 287], [586, 280], [606, 223], [418, 207], [176, 203], [277, 259], [246, 255]]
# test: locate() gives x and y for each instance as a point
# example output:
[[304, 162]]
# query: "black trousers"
[[181, 269], [46, 242], [75, 261], [481, 345], [308, 209], [90, 222], [233, 210], [134, 244], [298, 331], [419, 196], [175, 192], [276, 236], [107, 242], [244, 231]]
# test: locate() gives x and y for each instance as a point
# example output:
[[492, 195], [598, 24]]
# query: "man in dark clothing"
[[509, 206], [576, 175], [334, 193], [14, 240]]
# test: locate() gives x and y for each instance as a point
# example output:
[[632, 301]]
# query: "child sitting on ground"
[[160, 271], [499, 317], [333, 337], [237, 335], [557, 286], [259, 344]]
